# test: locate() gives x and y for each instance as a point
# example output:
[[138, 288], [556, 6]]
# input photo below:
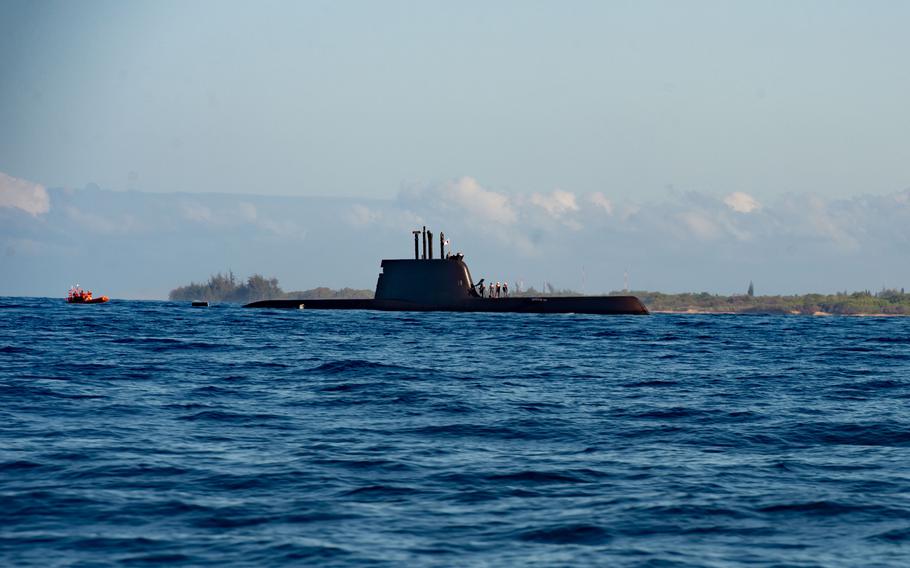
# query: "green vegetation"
[[323, 293], [227, 288], [891, 302], [548, 290]]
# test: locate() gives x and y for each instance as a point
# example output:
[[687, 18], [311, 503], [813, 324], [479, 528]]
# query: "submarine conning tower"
[[423, 279]]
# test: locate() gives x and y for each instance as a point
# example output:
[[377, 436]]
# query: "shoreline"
[[793, 313]]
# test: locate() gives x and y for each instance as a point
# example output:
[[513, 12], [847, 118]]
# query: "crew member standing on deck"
[[505, 289]]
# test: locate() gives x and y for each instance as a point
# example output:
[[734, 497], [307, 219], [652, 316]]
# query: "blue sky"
[[555, 110]]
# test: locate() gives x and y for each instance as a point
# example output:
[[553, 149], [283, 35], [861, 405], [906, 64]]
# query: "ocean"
[[149, 433]]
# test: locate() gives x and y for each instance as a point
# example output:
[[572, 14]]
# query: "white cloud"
[[228, 215], [488, 205], [287, 229], [464, 198], [464, 207], [22, 194], [116, 225], [362, 216], [194, 211], [629, 210], [742, 202], [248, 211], [600, 200], [700, 224], [827, 225], [557, 203]]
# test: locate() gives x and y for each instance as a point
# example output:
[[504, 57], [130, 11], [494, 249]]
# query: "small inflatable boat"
[[77, 295]]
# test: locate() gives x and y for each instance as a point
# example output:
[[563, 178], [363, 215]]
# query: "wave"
[[160, 344], [669, 413], [578, 533], [20, 465], [469, 430], [900, 536], [889, 339], [125, 471], [24, 393], [850, 434], [652, 383], [373, 492], [607, 333], [230, 417], [150, 559], [354, 366], [548, 477], [821, 508]]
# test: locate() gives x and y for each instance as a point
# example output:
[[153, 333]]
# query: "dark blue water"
[[151, 432]]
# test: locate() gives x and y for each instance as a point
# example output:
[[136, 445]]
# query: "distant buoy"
[[200, 304]]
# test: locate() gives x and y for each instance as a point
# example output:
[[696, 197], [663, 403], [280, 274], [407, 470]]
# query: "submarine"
[[424, 284]]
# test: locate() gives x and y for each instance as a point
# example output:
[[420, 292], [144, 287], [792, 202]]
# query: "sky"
[[719, 141]]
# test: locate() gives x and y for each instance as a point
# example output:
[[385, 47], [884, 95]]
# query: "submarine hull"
[[446, 285], [615, 305]]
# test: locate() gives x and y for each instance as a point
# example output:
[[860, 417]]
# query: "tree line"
[[886, 301], [228, 288]]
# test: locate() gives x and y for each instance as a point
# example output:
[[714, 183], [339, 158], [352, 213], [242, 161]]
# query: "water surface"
[[152, 432]]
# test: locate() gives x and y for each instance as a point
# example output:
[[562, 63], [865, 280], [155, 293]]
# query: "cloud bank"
[[840, 225], [688, 240], [25, 195]]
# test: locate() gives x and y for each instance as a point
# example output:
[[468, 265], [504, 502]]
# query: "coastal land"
[[228, 288], [863, 303], [887, 302]]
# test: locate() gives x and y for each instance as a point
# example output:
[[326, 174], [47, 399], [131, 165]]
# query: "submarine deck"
[[617, 305]]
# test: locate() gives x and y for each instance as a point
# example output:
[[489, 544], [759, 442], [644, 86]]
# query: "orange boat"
[[77, 295]]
